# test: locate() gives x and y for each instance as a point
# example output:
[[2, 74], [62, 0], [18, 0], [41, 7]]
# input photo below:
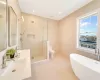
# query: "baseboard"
[[41, 61]]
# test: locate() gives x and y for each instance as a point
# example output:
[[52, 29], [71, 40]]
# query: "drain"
[[13, 70]]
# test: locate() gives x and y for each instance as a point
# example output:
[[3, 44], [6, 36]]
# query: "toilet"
[[51, 52]]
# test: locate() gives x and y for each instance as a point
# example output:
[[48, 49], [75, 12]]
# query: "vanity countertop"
[[24, 74]]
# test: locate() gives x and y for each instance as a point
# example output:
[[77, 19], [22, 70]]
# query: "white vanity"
[[19, 69]]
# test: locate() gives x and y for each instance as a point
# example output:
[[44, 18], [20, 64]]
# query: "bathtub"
[[85, 68]]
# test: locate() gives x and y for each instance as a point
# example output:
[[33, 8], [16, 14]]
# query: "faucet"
[[17, 54], [4, 61], [98, 54]]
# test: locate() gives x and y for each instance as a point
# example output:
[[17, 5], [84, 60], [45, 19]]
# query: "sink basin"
[[15, 69]]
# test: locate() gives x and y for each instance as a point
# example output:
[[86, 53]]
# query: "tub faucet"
[[97, 52], [98, 55], [17, 54]]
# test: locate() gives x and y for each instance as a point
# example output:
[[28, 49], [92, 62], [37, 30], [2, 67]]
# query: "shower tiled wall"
[[35, 31]]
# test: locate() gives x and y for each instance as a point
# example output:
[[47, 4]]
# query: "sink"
[[15, 69]]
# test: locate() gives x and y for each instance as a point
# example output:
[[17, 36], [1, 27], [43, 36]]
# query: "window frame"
[[78, 31]]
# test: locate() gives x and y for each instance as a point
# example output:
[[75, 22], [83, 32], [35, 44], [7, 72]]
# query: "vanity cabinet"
[[27, 73]]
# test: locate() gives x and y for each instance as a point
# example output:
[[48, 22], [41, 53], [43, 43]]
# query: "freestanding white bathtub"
[[85, 68]]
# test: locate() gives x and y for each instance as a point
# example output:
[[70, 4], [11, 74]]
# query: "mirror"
[[3, 24], [12, 27]]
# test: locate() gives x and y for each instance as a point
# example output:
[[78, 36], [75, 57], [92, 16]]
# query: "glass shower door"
[[34, 37]]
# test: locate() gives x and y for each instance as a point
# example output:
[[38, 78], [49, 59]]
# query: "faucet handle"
[[96, 51], [4, 61], [4, 57]]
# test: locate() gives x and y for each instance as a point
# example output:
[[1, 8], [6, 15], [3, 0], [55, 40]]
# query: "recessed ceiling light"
[[33, 11], [59, 12]]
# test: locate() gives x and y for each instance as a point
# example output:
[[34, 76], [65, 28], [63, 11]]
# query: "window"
[[87, 32]]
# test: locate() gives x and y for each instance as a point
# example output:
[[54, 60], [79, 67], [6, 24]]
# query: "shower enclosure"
[[34, 36]]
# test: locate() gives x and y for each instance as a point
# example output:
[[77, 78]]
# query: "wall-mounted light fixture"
[[2, 2], [23, 18]]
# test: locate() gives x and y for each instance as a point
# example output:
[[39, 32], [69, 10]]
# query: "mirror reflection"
[[12, 27], [3, 24]]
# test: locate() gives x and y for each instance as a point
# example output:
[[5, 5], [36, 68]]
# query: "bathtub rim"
[[72, 57]]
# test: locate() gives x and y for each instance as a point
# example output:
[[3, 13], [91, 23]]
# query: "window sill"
[[92, 51]]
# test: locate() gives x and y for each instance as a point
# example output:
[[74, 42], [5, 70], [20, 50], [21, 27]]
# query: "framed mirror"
[[3, 25], [12, 27]]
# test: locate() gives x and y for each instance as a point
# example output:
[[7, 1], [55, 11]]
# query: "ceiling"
[[53, 9]]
